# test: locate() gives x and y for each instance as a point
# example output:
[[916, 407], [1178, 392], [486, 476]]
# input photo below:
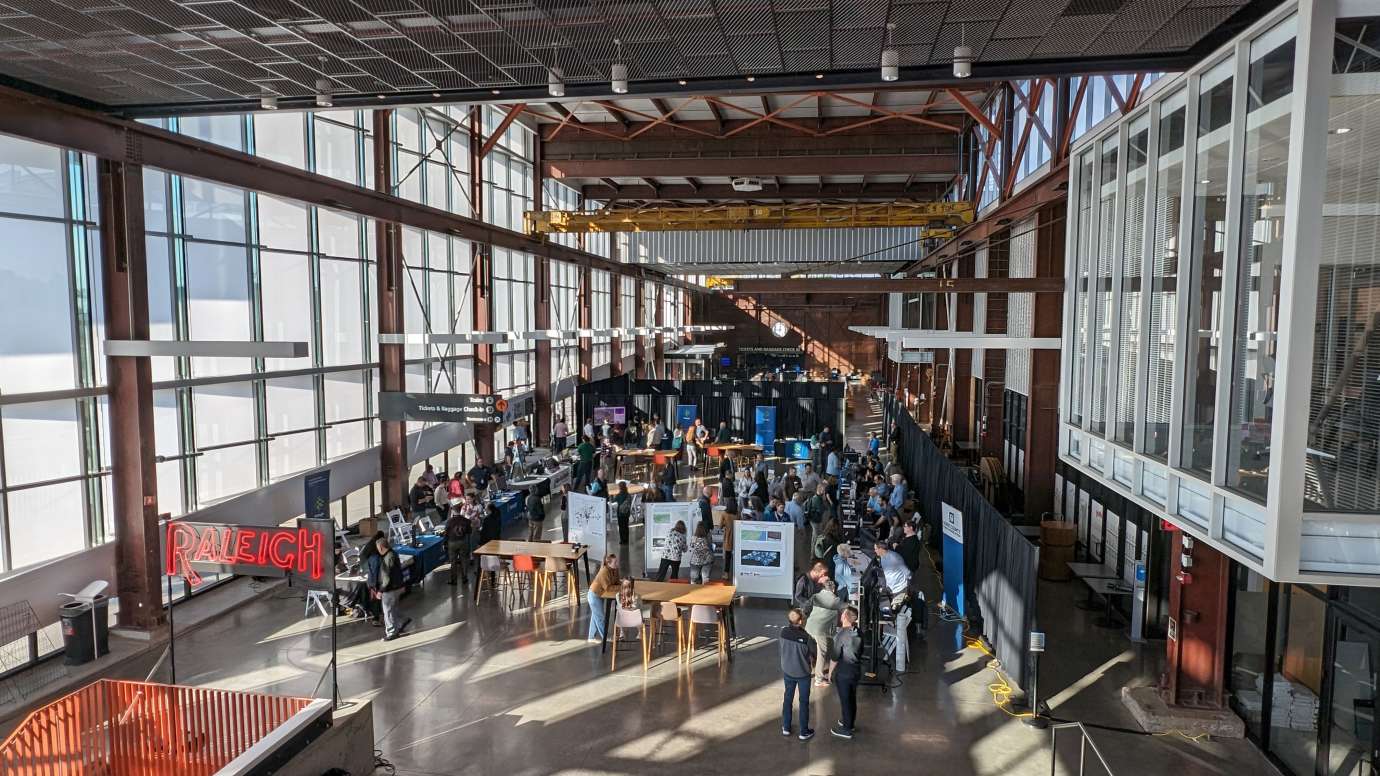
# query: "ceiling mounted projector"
[[747, 184]]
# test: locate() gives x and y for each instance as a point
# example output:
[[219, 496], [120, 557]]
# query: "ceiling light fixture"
[[682, 82], [891, 58], [752, 78], [963, 55], [618, 74], [323, 93], [819, 76], [268, 102], [555, 86], [1340, 131]]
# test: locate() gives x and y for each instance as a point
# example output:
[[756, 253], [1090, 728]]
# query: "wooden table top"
[[633, 489], [635, 453], [734, 447], [683, 594], [507, 549]]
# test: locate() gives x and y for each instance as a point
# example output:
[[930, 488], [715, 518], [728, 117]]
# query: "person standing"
[[386, 584], [654, 435], [706, 509], [724, 436], [797, 653], [429, 476], [622, 508], [565, 511], [668, 482], [536, 515], [690, 444], [558, 434], [825, 604], [587, 431], [672, 551], [457, 532], [584, 469], [700, 556], [606, 580], [422, 496], [701, 434], [844, 668], [456, 487]]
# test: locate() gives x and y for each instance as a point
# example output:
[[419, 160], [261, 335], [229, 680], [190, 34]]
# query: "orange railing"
[[119, 728]]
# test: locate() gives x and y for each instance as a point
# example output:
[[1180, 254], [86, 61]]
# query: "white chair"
[[350, 558], [490, 567], [667, 612], [629, 618], [705, 615], [319, 600]]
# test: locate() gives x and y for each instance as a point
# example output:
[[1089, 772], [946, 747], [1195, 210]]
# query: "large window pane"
[[31, 180], [1342, 469], [1169, 179], [1209, 241], [226, 472], [218, 303], [279, 136], [291, 453], [286, 305], [36, 351], [342, 328], [344, 396], [1083, 289], [42, 441], [336, 151], [1102, 279], [45, 523], [1124, 411], [213, 212], [1262, 230]]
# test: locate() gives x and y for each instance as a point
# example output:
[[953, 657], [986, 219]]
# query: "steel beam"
[[940, 165], [925, 190], [115, 139], [388, 271], [134, 472], [896, 285]]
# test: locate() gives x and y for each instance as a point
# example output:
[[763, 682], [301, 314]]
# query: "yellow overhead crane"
[[941, 219]]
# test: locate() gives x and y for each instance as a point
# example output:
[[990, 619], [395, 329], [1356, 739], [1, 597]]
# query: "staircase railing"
[[1085, 743]]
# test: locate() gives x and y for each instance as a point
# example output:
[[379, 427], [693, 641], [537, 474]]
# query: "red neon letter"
[[283, 562], [206, 546], [244, 545], [309, 549], [181, 538]]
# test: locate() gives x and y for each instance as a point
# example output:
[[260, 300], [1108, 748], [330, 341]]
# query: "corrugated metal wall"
[[767, 246]]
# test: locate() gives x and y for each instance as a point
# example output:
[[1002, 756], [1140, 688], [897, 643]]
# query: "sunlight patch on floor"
[[706, 727]]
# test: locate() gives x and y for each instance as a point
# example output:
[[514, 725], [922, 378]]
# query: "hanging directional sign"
[[441, 407]]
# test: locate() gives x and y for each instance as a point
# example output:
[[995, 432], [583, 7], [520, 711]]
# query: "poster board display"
[[1095, 532], [614, 415], [1083, 498], [763, 558], [685, 415], [589, 523], [955, 597], [659, 518]]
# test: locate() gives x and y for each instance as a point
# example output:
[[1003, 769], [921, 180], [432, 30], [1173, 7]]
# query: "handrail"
[[115, 726], [1085, 741]]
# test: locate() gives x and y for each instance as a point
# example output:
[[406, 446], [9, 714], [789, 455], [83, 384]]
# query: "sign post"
[[954, 593]]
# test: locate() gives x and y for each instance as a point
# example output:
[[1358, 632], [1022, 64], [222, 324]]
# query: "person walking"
[[457, 531], [386, 584], [606, 580], [667, 485], [797, 653], [672, 551], [844, 668], [558, 434]]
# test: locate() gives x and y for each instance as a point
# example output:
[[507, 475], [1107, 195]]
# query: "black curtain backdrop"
[[1000, 565], [802, 409]]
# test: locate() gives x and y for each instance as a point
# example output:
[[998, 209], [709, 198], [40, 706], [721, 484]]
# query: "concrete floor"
[[477, 689]]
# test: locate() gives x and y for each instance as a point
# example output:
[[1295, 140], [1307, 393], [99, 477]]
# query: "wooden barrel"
[[1056, 533], [1054, 561]]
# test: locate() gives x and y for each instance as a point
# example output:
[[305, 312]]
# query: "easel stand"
[[872, 676]]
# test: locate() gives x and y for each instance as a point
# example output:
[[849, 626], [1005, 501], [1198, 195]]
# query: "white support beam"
[[205, 349]]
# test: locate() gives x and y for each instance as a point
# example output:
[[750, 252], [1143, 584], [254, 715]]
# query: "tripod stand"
[[875, 659]]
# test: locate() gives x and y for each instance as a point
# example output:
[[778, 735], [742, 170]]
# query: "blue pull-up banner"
[[954, 593], [764, 422]]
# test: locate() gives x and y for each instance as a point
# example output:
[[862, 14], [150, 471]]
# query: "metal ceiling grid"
[[141, 54]]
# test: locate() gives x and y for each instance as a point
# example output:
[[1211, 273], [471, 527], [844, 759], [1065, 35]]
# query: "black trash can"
[[78, 636], [102, 618]]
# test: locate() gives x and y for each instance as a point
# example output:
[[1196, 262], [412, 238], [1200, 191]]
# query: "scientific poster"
[[763, 558], [588, 516], [658, 519], [1095, 521]]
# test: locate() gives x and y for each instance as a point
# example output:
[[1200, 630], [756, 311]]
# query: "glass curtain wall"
[[1342, 470], [601, 311], [627, 313], [1107, 227], [1164, 262], [1125, 411], [1083, 289]]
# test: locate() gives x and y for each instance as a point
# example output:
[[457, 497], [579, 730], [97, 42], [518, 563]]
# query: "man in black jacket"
[[844, 668], [706, 508], [536, 515], [909, 548], [797, 652], [386, 584], [457, 532]]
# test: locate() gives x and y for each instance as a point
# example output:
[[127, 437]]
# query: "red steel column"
[[134, 473], [541, 434], [616, 322], [391, 285], [1042, 416], [640, 348], [482, 283], [586, 322], [1195, 673]]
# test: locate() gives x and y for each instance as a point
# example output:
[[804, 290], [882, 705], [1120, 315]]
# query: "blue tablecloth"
[[426, 558], [510, 505]]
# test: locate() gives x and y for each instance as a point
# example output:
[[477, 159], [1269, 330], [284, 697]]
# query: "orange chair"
[[524, 568]]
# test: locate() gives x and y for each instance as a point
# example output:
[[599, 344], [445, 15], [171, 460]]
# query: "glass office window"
[[1342, 473], [1164, 258], [1083, 288], [1102, 283], [1125, 411], [1269, 85], [1209, 243]]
